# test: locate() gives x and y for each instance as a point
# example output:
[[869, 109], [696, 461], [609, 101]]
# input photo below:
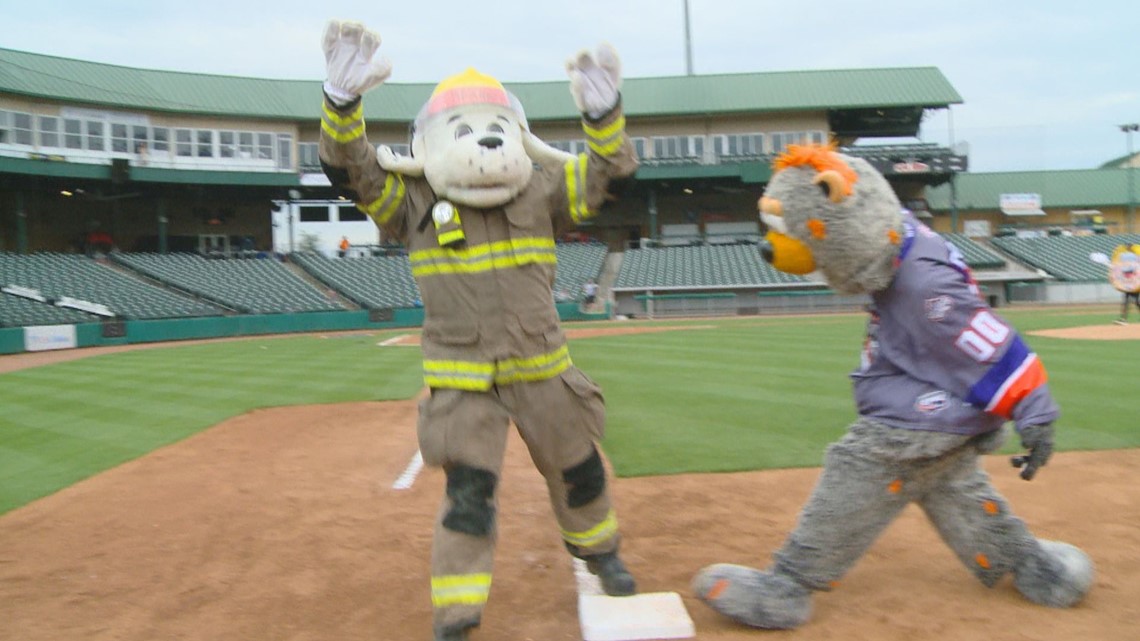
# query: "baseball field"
[[244, 489]]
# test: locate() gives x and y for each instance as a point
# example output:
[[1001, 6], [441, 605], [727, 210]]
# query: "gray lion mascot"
[[478, 205], [940, 375]]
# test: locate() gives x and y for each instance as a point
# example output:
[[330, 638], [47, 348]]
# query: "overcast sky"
[[1045, 83]]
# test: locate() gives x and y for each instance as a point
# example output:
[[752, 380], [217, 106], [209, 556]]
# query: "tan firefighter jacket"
[[489, 314]]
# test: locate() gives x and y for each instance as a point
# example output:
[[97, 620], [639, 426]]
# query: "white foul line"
[[406, 479], [392, 341]]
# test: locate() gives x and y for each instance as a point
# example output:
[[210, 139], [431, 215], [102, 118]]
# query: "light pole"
[[688, 43], [1131, 168]]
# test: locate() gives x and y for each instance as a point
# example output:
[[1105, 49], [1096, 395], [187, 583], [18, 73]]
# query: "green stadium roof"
[[1068, 188], [81, 82]]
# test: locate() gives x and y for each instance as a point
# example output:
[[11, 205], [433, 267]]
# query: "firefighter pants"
[[560, 419]]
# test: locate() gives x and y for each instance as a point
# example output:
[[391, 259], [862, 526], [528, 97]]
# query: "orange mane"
[[819, 157]]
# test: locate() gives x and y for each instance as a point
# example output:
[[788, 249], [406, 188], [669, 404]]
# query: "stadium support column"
[[162, 221], [21, 224], [1130, 221], [954, 203], [653, 214]]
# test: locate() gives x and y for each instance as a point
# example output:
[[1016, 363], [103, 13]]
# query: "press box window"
[[119, 140], [72, 133], [227, 144], [183, 143], [22, 126], [95, 136], [161, 137], [205, 144], [49, 131], [284, 151]]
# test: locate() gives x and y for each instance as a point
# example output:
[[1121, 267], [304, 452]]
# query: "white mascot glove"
[[595, 80], [349, 48]]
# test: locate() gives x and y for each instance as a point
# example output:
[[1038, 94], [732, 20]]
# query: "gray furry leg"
[[974, 520], [1054, 574], [752, 597], [857, 496]]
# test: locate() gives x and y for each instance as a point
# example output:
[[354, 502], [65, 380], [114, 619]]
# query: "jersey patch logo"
[[932, 402], [937, 307]]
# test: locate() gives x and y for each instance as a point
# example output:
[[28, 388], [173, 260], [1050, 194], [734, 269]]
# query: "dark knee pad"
[[471, 491], [587, 480]]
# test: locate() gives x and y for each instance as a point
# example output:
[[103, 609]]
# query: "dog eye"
[[494, 128], [461, 131]]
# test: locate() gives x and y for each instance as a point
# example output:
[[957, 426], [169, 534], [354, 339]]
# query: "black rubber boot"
[[457, 632], [616, 579]]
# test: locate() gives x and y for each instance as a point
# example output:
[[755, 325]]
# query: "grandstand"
[[251, 286], [976, 255], [577, 263], [373, 282], [57, 276], [696, 267], [23, 312], [1065, 258]]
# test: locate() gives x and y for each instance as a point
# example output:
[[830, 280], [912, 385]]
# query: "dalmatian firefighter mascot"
[[478, 205], [940, 375]]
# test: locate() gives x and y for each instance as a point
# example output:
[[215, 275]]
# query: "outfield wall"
[[1063, 293], [680, 302], [14, 340]]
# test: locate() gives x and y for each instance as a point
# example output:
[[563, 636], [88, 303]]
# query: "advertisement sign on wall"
[[44, 337]]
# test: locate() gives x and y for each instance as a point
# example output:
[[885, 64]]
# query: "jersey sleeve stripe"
[[1017, 373]]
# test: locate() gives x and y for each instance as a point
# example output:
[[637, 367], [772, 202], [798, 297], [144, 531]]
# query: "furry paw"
[[752, 597], [1056, 574]]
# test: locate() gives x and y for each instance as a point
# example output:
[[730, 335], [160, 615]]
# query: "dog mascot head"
[[472, 143], [828, 212]]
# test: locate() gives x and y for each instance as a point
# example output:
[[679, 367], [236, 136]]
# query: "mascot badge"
[[940, 374], [478, 205]]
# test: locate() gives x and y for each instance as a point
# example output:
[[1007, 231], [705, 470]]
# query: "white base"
[[656, 615]]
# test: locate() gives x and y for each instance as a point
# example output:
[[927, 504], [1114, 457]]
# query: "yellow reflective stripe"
[[485, 265], [606, 149], [535, 368], [609, 130], [343, 137], [391, 196], [576, 188], [453, 382], [465, 375], [479, 376], [483, 257], [515, 244], [460, 589], [342, 121], [608, 140], [343, 128], [451, 237], [595, 535], [461, 367]]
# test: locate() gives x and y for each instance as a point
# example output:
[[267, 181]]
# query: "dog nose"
[[490, 142]]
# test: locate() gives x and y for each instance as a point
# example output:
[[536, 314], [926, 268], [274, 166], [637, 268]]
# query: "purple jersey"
[[936, 357]]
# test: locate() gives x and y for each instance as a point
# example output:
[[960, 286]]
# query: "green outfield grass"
[[745, 394]]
